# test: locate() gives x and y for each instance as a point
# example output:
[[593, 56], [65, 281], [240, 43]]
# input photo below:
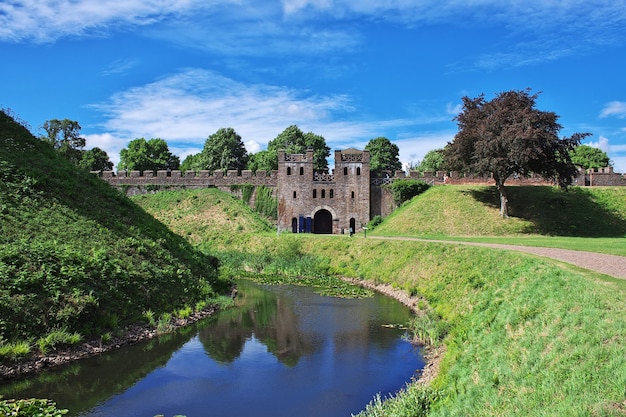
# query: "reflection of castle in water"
[[291, 326]]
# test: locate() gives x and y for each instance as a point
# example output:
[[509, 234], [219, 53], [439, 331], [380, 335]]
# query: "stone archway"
[[323, 222]]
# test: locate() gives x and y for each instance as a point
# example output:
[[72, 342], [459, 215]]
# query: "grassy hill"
[[77, 255], [548, 211], [207, 217]]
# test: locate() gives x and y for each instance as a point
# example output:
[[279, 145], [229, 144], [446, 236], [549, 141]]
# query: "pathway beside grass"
[[612, 265]]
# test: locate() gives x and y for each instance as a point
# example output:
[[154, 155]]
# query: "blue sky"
[[349, 70]]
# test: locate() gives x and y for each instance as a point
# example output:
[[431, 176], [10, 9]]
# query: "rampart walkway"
[[612, 265]]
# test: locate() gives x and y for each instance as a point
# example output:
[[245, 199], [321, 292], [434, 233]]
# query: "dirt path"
[[612, 265]]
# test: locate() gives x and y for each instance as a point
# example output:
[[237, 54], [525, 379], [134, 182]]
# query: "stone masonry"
[[323, 202], [338, 201]]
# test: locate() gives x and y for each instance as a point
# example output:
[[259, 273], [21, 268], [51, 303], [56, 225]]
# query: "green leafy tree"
[[263, 161], [509, 135], [223, 150], [64, 137], [148, 155], [293, 140], [587, 157], [433, 161], [191, 163], [95, 159], [383, 155]]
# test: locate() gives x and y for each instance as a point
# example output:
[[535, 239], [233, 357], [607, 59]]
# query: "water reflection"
[[283, 351]]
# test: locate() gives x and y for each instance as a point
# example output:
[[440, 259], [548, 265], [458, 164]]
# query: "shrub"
[[404, 190], [375, 221]]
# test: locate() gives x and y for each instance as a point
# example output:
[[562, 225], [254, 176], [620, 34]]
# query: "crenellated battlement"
[[189, 179], [325, 201]]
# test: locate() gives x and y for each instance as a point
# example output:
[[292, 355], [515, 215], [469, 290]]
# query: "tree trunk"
[[504, 201]]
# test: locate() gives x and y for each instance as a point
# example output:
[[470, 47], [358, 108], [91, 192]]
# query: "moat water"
[[283, 351]]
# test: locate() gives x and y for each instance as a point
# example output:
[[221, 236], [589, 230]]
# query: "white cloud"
[[111, 144], [614, 108], [454, 109], [414, 148], [191, 105], [49, 20], [119, 67], [311, 24], [619, 164], [602, 144], [185, 108]]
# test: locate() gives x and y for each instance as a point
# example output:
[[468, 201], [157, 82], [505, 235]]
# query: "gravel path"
[[612, 265]]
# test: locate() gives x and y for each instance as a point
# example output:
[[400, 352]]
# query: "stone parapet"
[[189, 178]]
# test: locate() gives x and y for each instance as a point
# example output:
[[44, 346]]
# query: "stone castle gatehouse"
[[311, 201]]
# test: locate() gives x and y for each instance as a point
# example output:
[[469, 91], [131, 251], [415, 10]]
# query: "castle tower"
[[310, 201]]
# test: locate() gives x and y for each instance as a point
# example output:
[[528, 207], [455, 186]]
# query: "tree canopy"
[[64, 137], [587, 157], [148, 155], [433, 161], [383, 155], [223, 150], [263, 161], [95, 159], [294, 141], [510, 136]]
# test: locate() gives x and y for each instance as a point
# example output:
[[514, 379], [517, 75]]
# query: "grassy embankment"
[[78, 259], [523, 336], [590, 219]]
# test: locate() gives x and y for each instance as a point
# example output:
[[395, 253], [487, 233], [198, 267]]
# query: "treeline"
[[223, 150]]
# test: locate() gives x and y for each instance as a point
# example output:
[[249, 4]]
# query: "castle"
[[339, 201], [322, 202]]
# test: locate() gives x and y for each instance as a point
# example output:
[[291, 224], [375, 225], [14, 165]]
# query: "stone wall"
[[342, 194], [603, 177], [348, 194], [136, 182]]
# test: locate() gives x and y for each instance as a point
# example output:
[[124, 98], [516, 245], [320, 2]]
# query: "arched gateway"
[[323, 201], [323, 222]]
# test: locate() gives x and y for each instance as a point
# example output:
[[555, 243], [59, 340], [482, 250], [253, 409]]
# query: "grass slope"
[[592, 219], [523, 336], [77, 255], [205, 216], [474, 211]]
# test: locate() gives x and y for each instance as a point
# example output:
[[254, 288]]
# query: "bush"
[[404, 190], [376, 220]]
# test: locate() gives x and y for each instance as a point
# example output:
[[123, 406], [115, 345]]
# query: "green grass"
[[546, 211], [523, 335], [76, 254], [589, 219], [206, 215], [608, 245]]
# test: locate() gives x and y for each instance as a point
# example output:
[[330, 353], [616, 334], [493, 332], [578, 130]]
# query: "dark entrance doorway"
[[294, 225], [352, 226], [323, 222]]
